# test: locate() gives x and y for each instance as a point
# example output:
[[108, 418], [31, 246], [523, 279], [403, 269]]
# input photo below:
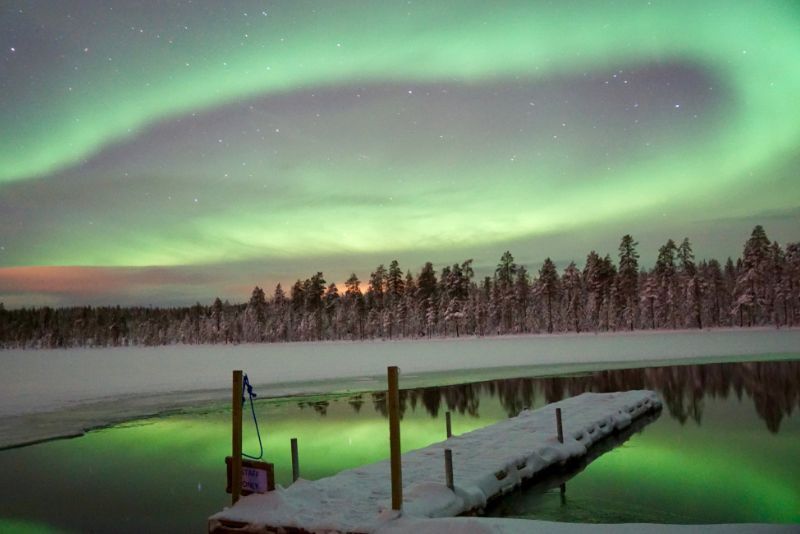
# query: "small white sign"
[[254, 480], [257, 477]]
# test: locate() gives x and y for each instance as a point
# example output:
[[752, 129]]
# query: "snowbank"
[[486, 463]]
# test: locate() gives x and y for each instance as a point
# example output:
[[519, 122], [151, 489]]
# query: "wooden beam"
[[448, 469], [236, 440], [559, 428], [295, 461], [393, 401]]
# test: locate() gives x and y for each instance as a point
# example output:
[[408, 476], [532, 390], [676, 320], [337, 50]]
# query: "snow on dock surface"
[[486, 463]]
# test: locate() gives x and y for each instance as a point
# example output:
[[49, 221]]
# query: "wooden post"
[[236, 453], [393, 401], [448, 424], [558, 425], [295, 461], [448, 468]]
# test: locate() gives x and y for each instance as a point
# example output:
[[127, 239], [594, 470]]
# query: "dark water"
[[724, 449]]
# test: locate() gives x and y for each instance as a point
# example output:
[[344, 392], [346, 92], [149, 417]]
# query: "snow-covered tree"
[[505, 272], [254, 322], [694, 286], [522, 300], [666, 275], [356, 310], [792, 281], [716, 298], [627, 281], [572, 297], [548, 288], [648, 296], [751, 291]]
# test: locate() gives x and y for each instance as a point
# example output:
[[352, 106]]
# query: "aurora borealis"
[[162, 153]]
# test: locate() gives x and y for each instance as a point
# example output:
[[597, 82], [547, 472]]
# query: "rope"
[[246, 385]]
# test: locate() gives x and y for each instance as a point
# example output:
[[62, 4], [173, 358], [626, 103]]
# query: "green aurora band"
[[754, 47]]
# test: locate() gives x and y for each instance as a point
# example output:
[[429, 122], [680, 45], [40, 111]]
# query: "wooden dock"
[[486, 463]]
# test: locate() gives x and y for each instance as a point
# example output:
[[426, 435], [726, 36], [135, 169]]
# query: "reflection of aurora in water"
[[167, 473], [774, 388]]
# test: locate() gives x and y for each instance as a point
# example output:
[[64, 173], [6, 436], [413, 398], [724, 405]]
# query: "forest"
[[762, 287]]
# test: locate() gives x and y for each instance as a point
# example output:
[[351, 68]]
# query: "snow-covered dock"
[[486, 464]]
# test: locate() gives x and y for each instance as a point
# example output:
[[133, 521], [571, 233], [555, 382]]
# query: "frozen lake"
[[51, 393]]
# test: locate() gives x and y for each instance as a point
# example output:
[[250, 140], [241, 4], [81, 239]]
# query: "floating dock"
[[486, 463]]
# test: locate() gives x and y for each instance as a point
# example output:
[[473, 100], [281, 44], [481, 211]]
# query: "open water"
[[723, 450]]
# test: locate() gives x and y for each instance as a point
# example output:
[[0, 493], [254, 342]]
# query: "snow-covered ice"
[[493, 525], [486, 463], [50, 393]]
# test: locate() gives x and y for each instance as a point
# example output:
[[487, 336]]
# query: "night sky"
[[167, 152]]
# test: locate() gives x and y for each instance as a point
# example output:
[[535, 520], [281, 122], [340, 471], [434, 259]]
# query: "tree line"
[[762, 287]]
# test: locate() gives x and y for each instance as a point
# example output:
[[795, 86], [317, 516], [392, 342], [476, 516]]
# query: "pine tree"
[[313, 290], [599, 276], [483, 320], [522, 292], [716, 292], [297, 301], [694, 285], [431, 316], [549, 289], [731, 273], [573, 297], [593, 285], [427, 286], [394, 283], [506, 269], [505, 272], [665, 272], [426, 282], [455, 283], [649, 296], [377, 284], [355, 305], [776, 287], [330, 304], [373, 322], [280, 313], [254, 317], [608, 276], [409, 305], [215, 334], [4, 326], [792, 277], [453, 314], [751, 283], [627, 281]]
